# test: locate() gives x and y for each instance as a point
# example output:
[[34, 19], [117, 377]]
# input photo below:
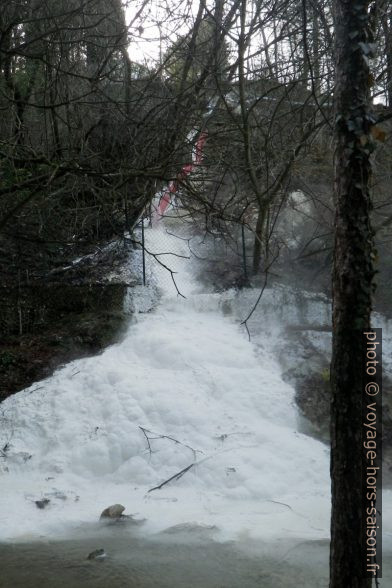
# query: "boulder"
[[113, 512]]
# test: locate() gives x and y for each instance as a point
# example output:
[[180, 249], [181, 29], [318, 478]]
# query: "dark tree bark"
[[386, 23], [352, 284]]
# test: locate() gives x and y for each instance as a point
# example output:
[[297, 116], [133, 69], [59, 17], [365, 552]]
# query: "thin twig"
[[147, 439], [282, 503], [35, 389], [159, 436], [156, 257], [245, 321]]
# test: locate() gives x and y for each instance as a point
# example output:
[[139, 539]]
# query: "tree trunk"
[[352, 287], [386, 23]]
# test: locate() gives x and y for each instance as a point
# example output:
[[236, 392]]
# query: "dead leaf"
[[378, 134]]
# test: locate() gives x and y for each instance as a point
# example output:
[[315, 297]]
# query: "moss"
[[326, 375]]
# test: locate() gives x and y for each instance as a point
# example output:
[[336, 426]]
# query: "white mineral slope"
[[186, 372]]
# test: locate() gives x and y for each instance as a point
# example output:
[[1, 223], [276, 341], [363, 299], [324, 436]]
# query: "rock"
[[42, 503], [113, 512], [98, 554]]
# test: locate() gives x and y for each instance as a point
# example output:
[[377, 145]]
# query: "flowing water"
[[184, 387], [167, 561]]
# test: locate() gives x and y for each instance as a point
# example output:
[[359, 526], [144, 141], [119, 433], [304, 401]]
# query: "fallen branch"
[[175, 477], [196, 463], [318, 328]]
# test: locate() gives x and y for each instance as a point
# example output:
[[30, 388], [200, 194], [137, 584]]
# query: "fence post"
[[143, 254]]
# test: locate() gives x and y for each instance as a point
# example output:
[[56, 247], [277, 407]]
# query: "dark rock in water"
[[113, 512], [42, 503], [113, 515], [98, 554]]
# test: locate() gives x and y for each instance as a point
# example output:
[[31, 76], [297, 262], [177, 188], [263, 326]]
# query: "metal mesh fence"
[[179, 254]]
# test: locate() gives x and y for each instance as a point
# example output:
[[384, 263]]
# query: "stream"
[[169, 560]]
